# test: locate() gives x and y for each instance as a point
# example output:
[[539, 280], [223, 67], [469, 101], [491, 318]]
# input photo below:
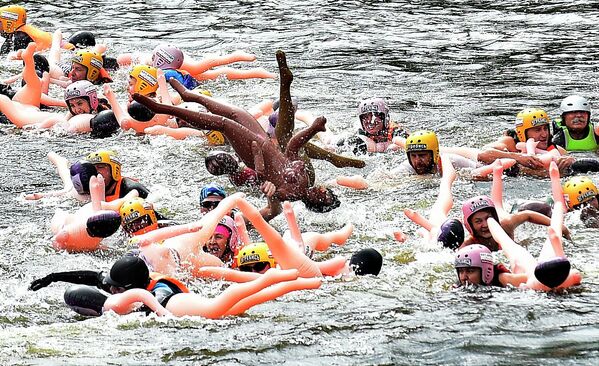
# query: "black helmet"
[[366, 261], [128, 272]]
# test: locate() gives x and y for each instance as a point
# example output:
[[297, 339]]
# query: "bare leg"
[[286, 122], [497, 190], [236, 74], [521, 261], [195, 67], [444, 201], [31, 93], [340, 161]]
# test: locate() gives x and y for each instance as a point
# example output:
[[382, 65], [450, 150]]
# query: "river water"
[[462, 68]]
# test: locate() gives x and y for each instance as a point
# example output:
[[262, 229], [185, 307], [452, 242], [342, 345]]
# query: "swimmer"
[[138, 217], [210, 196], [574, 130], [109, 166], [88, 65], [581, 194]]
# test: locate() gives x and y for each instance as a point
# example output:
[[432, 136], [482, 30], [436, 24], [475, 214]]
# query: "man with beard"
[[574, 131]]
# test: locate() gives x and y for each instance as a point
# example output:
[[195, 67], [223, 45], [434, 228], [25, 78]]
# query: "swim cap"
[[375, 105], [475, 204], [252, 254], [83, 39], [12, 17], [478, 256], [92, 61], [140, 112], [104, 124], [529, 118], [106, 157], [451, 234], [146, 79], [138, 216], [128, 272], [81, 173], [82, 89], [212, 189], [167, 57], [575, 103], [579, 190], [366, 261], [423, 141], [103, 224]]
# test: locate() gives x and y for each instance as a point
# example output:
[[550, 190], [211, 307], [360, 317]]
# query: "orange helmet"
[[12, 18], [93, 61], [146, 79]]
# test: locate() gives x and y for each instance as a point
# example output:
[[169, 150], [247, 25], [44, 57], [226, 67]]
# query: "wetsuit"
[[126, 185]]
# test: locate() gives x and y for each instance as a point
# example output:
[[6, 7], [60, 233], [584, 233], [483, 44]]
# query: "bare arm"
[[302, 137]]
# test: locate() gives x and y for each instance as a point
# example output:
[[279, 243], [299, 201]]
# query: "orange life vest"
[[155, 277]]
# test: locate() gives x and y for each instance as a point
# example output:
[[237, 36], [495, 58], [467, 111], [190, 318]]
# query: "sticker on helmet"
[[249, 258], [9, 15]]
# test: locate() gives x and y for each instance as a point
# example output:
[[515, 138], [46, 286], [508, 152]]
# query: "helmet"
[[128, 272], [92, 61], [375, 105], [575, 103], [478, 256], [83, 39], [229, 223], [167, 57], [366, 261], [212, 189], [423, 141], [579, 190], [255, 253], [146, 79], [474, 205], [529, 118], [12, 18], [138, 216], [107, 157], [82, 89]]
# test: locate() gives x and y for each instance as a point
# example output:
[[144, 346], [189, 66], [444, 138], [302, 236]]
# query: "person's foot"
[[243, 56]]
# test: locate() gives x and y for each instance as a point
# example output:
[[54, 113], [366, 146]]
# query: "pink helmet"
[[82, 89], [474, 205], [229, 224], [374, 105], [478, 256], [167, 57]]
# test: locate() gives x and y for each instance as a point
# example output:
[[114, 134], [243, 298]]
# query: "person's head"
[[320, 199], [143, 79], [138, 216], [81, 97], [579, 191], [224, 240], [474, 265], [451, 234], [533, 123], [576, 113], [127, 273], [12, 17], [221, 162], [81, 173], [422, 149], [255, 257], [83, 39], [107, 164], [366, 261], [475, 213], [210, 196], [86, 65], [167, 57], [374, 116]]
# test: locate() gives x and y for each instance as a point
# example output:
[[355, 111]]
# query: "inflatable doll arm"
[[128, 301], [355, 182]]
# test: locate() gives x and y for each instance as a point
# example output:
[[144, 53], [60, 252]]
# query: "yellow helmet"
[[215, 137], [252, 254], [93, 61], [529, 118], [579, 190], [106, 157], [138, 216], [423, 141], [146, 79], [12, 18]]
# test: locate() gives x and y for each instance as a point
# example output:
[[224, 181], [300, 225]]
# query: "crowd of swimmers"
[[260, 149]]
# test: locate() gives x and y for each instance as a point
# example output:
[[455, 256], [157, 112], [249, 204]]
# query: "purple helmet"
[[82, 89], [229, 224], [478, 256], [474, 205], [374, 105], [167, 57]]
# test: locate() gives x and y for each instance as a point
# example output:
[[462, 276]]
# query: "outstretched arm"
[[302, 137]]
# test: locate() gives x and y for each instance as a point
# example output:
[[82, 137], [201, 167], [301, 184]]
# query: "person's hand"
[[40, 283], [268, 188], [564, 162], [566, 232], [529, 161]]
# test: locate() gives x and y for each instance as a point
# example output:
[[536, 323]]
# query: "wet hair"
[[321, 206], [104, 124], [140, 112], [366, 261]]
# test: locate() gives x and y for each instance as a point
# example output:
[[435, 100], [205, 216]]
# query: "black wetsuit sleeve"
[[91, 278], [129, 184], [559, 138]]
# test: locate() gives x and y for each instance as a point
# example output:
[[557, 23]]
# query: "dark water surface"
[[462, 68]]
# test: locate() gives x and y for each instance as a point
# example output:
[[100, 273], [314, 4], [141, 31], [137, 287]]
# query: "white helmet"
[[575, 103]]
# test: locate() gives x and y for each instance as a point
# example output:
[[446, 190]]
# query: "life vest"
[[42, 39], [379, 143], [183, 77], [155, 277], [589, 143]]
